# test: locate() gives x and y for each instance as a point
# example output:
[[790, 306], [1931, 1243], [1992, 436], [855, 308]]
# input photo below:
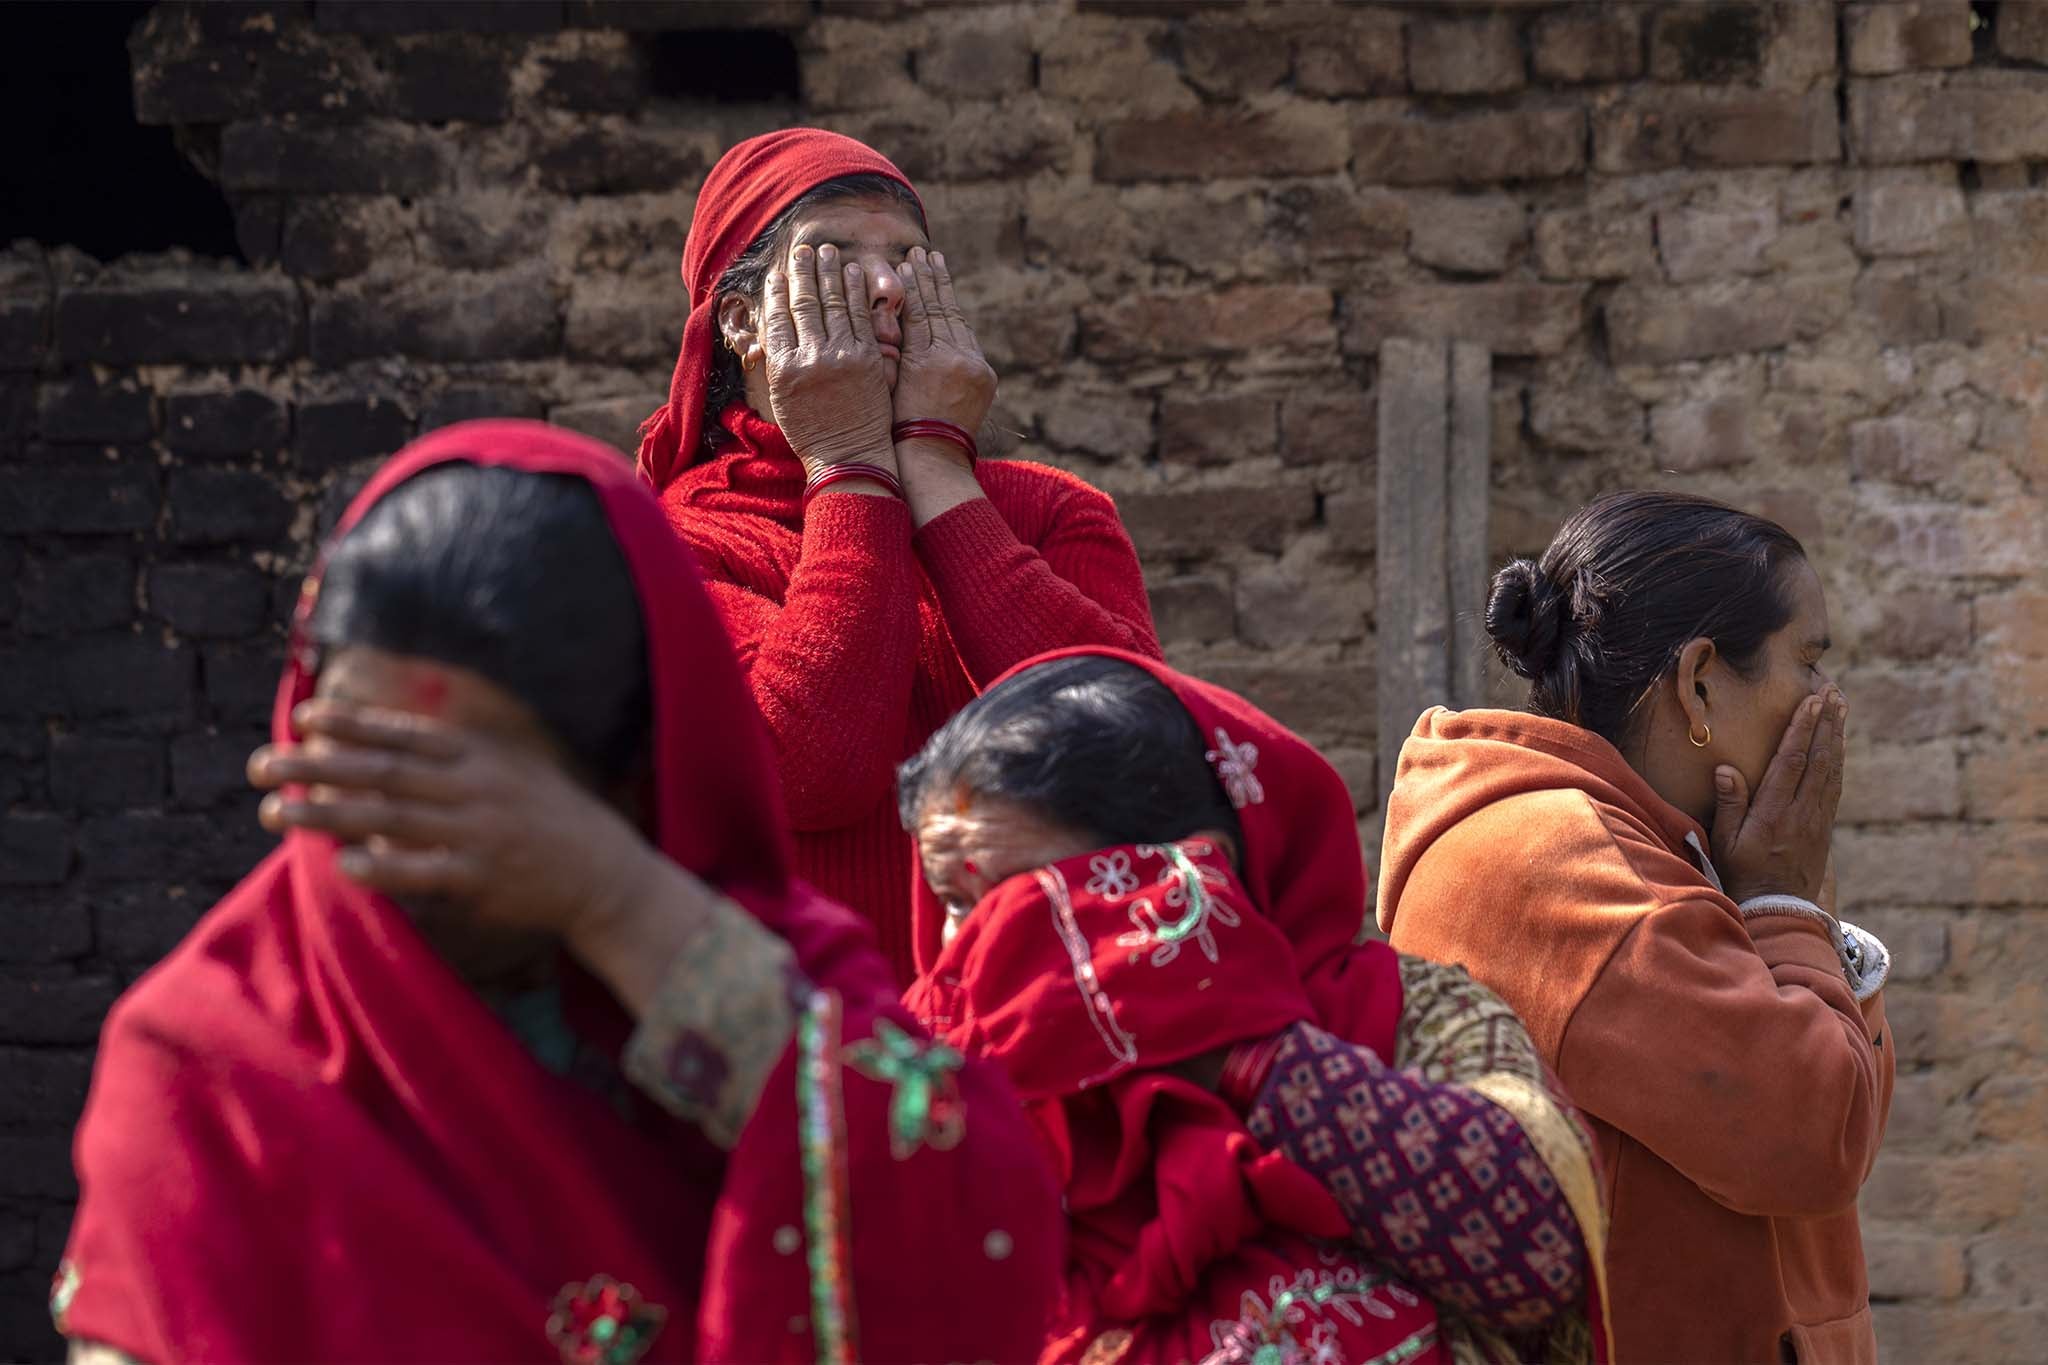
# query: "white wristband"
[[1795, 906]]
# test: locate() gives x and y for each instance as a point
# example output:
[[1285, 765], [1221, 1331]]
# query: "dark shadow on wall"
[[79, 170]]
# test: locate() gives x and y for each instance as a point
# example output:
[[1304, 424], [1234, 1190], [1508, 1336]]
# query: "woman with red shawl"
[[1276, 1144], [817, 452], [390, 1100]]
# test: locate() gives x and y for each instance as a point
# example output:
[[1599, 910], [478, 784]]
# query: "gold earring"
[[747, 363], [1704, 741]]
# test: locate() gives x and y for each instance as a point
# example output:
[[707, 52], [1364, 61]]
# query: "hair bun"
[[1525, 618]]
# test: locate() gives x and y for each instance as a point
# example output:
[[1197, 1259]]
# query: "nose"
[[885, 291]]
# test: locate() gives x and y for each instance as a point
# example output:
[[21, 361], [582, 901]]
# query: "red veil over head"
[[1072, 979], [308, 1139], [746, 190]]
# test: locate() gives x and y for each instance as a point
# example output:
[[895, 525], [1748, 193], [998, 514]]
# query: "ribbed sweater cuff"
[[841, 519], [957, 543]]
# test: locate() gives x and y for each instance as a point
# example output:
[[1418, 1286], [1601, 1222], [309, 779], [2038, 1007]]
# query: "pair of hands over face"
[[827, 381]]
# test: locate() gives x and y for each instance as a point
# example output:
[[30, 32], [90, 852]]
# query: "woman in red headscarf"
[[818, 452], [390, 1100], [1276, 1144]]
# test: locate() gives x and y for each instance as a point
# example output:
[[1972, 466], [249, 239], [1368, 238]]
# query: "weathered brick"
[[617, 158], [1588, 43], [1474, 234], [236, 422], [606, 73], [198, 319], [72, 594], [620, 318], [82, 410], [973, 62], [458, 77], [1969, 116], [36, 1165], [106, 500], [470, 402], [43, 1088], [1241, 318], [685, 15], [1648, 325], [202, 80], [1002, 141], [615, 421], [54, 1010], [1697, 434], [2022, 34], [1336, 422], [209, 765], [1906, 450], [380, 18], [1708, 44], [1113, 424], [1891, 782], [1332, 222], [2007, 781], [1716, 128], [35, 849], [240, 681], [1914, 702], [218, 506], [1280, 605], [1361, 53], [1904, 35], [1508, 318], [2012, 1108], [329, 238], [1192, 609], [135, 924], [1587, 244], [1464, 55], [209, 601], [363, 158], [1908, 214], [1910, 1265], [1192, 523], [1217, 429], [94, 772], [24, 309], [1294, 139], [1900, 303], [1528, 144], [513, 315], [1332, 700], [2012, 622], [332, 432], [1914, 626], [1947, 540], [1586, 416], [482, 229], [140, 846]]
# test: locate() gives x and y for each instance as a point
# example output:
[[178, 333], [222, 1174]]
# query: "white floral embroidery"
[[1270, 1331], [1189, 909], [1112, 874], [1234, 763]]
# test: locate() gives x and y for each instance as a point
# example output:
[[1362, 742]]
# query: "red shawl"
[[1086, 978], [308, 1139], [746, 190]]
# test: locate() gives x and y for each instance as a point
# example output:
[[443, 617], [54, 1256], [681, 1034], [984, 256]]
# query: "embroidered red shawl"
[[307, 1139]]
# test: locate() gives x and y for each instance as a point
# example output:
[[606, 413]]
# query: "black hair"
[[1094, 744], [1628, 581], [514, 576], [748, 273]]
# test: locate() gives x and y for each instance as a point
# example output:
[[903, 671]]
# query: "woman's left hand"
[[422, 807], [942, 374]]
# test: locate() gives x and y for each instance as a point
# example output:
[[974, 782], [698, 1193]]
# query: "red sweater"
[[861, 636]]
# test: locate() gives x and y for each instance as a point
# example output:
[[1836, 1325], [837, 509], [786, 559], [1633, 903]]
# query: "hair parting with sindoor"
[[1628, 581], [515, 576], [1092, 743], [748, 274]]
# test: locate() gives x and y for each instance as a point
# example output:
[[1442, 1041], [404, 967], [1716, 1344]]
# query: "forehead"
[[868, 220], [1809, 599], [427, 687]]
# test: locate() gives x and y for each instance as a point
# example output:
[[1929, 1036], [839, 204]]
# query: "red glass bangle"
[[937, 430], [840, 473], [1245, 1069]]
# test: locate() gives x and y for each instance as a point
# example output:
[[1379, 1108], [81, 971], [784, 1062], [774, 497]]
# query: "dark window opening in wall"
[[79, 169], [723, 66], [1983, 30]]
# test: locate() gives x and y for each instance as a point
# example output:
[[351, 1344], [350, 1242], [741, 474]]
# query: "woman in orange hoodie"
[[1720, 1027]]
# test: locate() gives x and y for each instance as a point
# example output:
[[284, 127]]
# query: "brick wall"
[[1788, 254]]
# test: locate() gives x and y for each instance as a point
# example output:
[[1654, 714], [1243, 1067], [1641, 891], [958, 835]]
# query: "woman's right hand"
[[826, 384], [1778, 843]]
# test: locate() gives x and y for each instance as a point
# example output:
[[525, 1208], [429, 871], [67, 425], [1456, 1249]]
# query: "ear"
[[1697, 677], [739, 327]]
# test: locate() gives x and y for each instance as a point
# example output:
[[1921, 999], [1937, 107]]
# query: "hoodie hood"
[[1457, 763]]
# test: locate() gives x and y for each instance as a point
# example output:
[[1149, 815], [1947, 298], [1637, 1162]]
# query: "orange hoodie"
[[1737, 1085]]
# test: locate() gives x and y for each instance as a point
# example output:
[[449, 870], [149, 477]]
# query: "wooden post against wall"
[[1435, 435]]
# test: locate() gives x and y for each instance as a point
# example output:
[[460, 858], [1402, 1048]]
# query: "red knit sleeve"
[[831, 667], [1077, 582]]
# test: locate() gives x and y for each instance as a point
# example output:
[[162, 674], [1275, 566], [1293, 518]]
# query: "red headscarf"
[[746, 190], [308, 1139], [1086, 978]]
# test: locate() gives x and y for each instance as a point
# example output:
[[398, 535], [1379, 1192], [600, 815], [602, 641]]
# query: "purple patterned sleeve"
[[1440, 1184]]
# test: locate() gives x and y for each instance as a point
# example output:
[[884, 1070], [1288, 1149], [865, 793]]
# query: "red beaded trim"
[[938, 431], [840, 473]]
